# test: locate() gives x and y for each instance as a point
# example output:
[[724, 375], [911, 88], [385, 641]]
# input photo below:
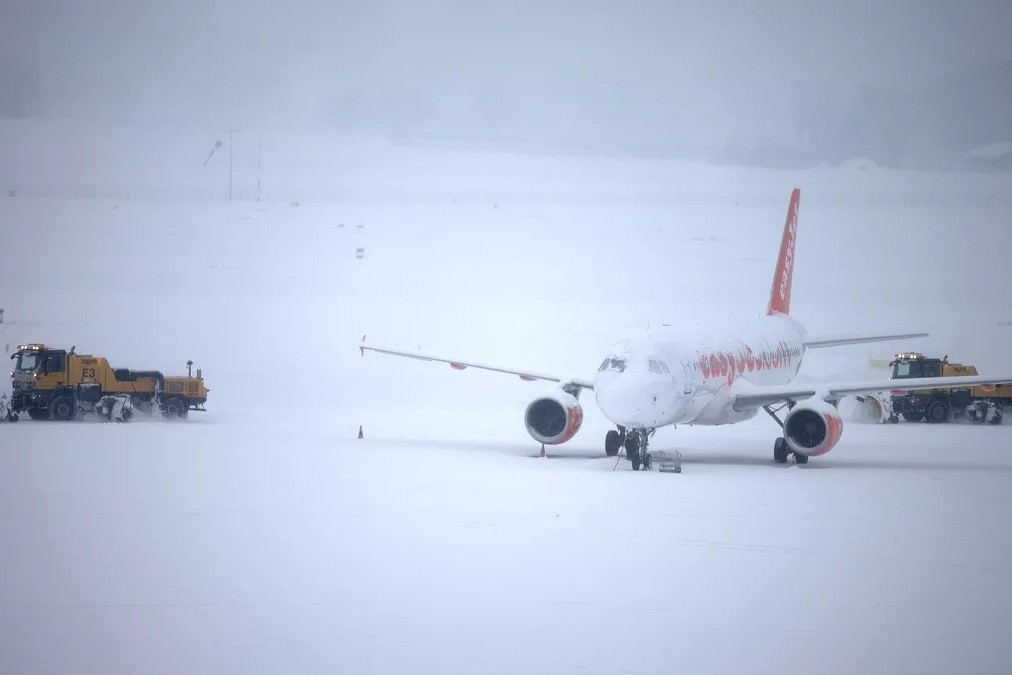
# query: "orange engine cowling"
[[812, 428], [554, 419]]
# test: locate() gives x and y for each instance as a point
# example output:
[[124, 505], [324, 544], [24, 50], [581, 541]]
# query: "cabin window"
[[54, 363]]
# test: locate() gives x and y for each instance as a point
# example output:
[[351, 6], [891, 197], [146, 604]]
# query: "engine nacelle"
[[812, 428], [554, 419], [871, 408]]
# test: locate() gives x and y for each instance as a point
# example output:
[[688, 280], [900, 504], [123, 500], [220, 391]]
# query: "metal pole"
[[260, 154], [230, 131]]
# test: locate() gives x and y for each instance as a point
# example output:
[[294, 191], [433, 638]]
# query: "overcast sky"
[[731, 65]]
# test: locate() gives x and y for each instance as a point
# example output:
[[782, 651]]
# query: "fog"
[[910, 84], [258, 187]]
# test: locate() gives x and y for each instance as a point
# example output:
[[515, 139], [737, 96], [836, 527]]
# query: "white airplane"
[[669, 378]]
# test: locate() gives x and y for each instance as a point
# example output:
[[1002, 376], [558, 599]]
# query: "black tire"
[[913, 416], [62, 408], [780, 450], [612, 443], [175, 407], [800, 458], [38, 415], [632, 450], [938, 412]]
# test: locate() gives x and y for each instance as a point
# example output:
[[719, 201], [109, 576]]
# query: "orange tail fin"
[[780, 294]]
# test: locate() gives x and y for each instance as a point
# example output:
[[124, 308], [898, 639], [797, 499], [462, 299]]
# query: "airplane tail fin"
[[780, 293]]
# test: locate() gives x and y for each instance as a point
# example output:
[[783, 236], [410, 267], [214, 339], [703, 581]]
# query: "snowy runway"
[[286, 548]]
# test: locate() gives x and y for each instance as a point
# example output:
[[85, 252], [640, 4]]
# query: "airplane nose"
[[636, 403]]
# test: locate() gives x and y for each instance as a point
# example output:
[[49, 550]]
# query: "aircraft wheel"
[[780, 450], [800, 458], [612, 443]]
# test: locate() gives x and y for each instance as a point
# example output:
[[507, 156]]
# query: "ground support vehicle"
[[56, 384], [985, 404]]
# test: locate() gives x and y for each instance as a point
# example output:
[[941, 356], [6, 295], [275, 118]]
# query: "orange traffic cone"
[[360, 431]]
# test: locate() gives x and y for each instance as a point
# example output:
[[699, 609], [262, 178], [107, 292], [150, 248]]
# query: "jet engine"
[[871, 408], [554, 419], [812, 428]]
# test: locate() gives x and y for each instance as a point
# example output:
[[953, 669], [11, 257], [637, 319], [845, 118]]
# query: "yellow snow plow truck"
[[982, 403], [60, 385]]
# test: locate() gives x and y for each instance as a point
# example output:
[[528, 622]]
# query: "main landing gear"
[[781, 451], [636, 442]]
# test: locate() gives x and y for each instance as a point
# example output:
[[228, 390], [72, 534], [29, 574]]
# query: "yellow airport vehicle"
[[985, 403], [60, 385]]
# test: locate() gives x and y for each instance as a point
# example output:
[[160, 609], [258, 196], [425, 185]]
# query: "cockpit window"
[[613, 364], [658, 367]]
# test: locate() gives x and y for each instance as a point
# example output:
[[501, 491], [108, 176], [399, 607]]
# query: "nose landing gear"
[[637, 442]]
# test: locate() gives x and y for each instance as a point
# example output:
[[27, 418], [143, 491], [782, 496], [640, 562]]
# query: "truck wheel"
[[62, 408], [38, 415], [175, 407], [913, 416], [937, 412]]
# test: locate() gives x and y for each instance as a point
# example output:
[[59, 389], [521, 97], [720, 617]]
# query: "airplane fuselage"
[[670, 377]]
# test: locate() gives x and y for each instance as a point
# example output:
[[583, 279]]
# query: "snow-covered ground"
[[262, 536]]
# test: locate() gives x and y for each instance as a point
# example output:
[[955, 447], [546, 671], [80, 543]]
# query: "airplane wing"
[[838, 340], [755, 396], [457, 364]]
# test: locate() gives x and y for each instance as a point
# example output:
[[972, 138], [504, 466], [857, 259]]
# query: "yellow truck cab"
[[56, 384]]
